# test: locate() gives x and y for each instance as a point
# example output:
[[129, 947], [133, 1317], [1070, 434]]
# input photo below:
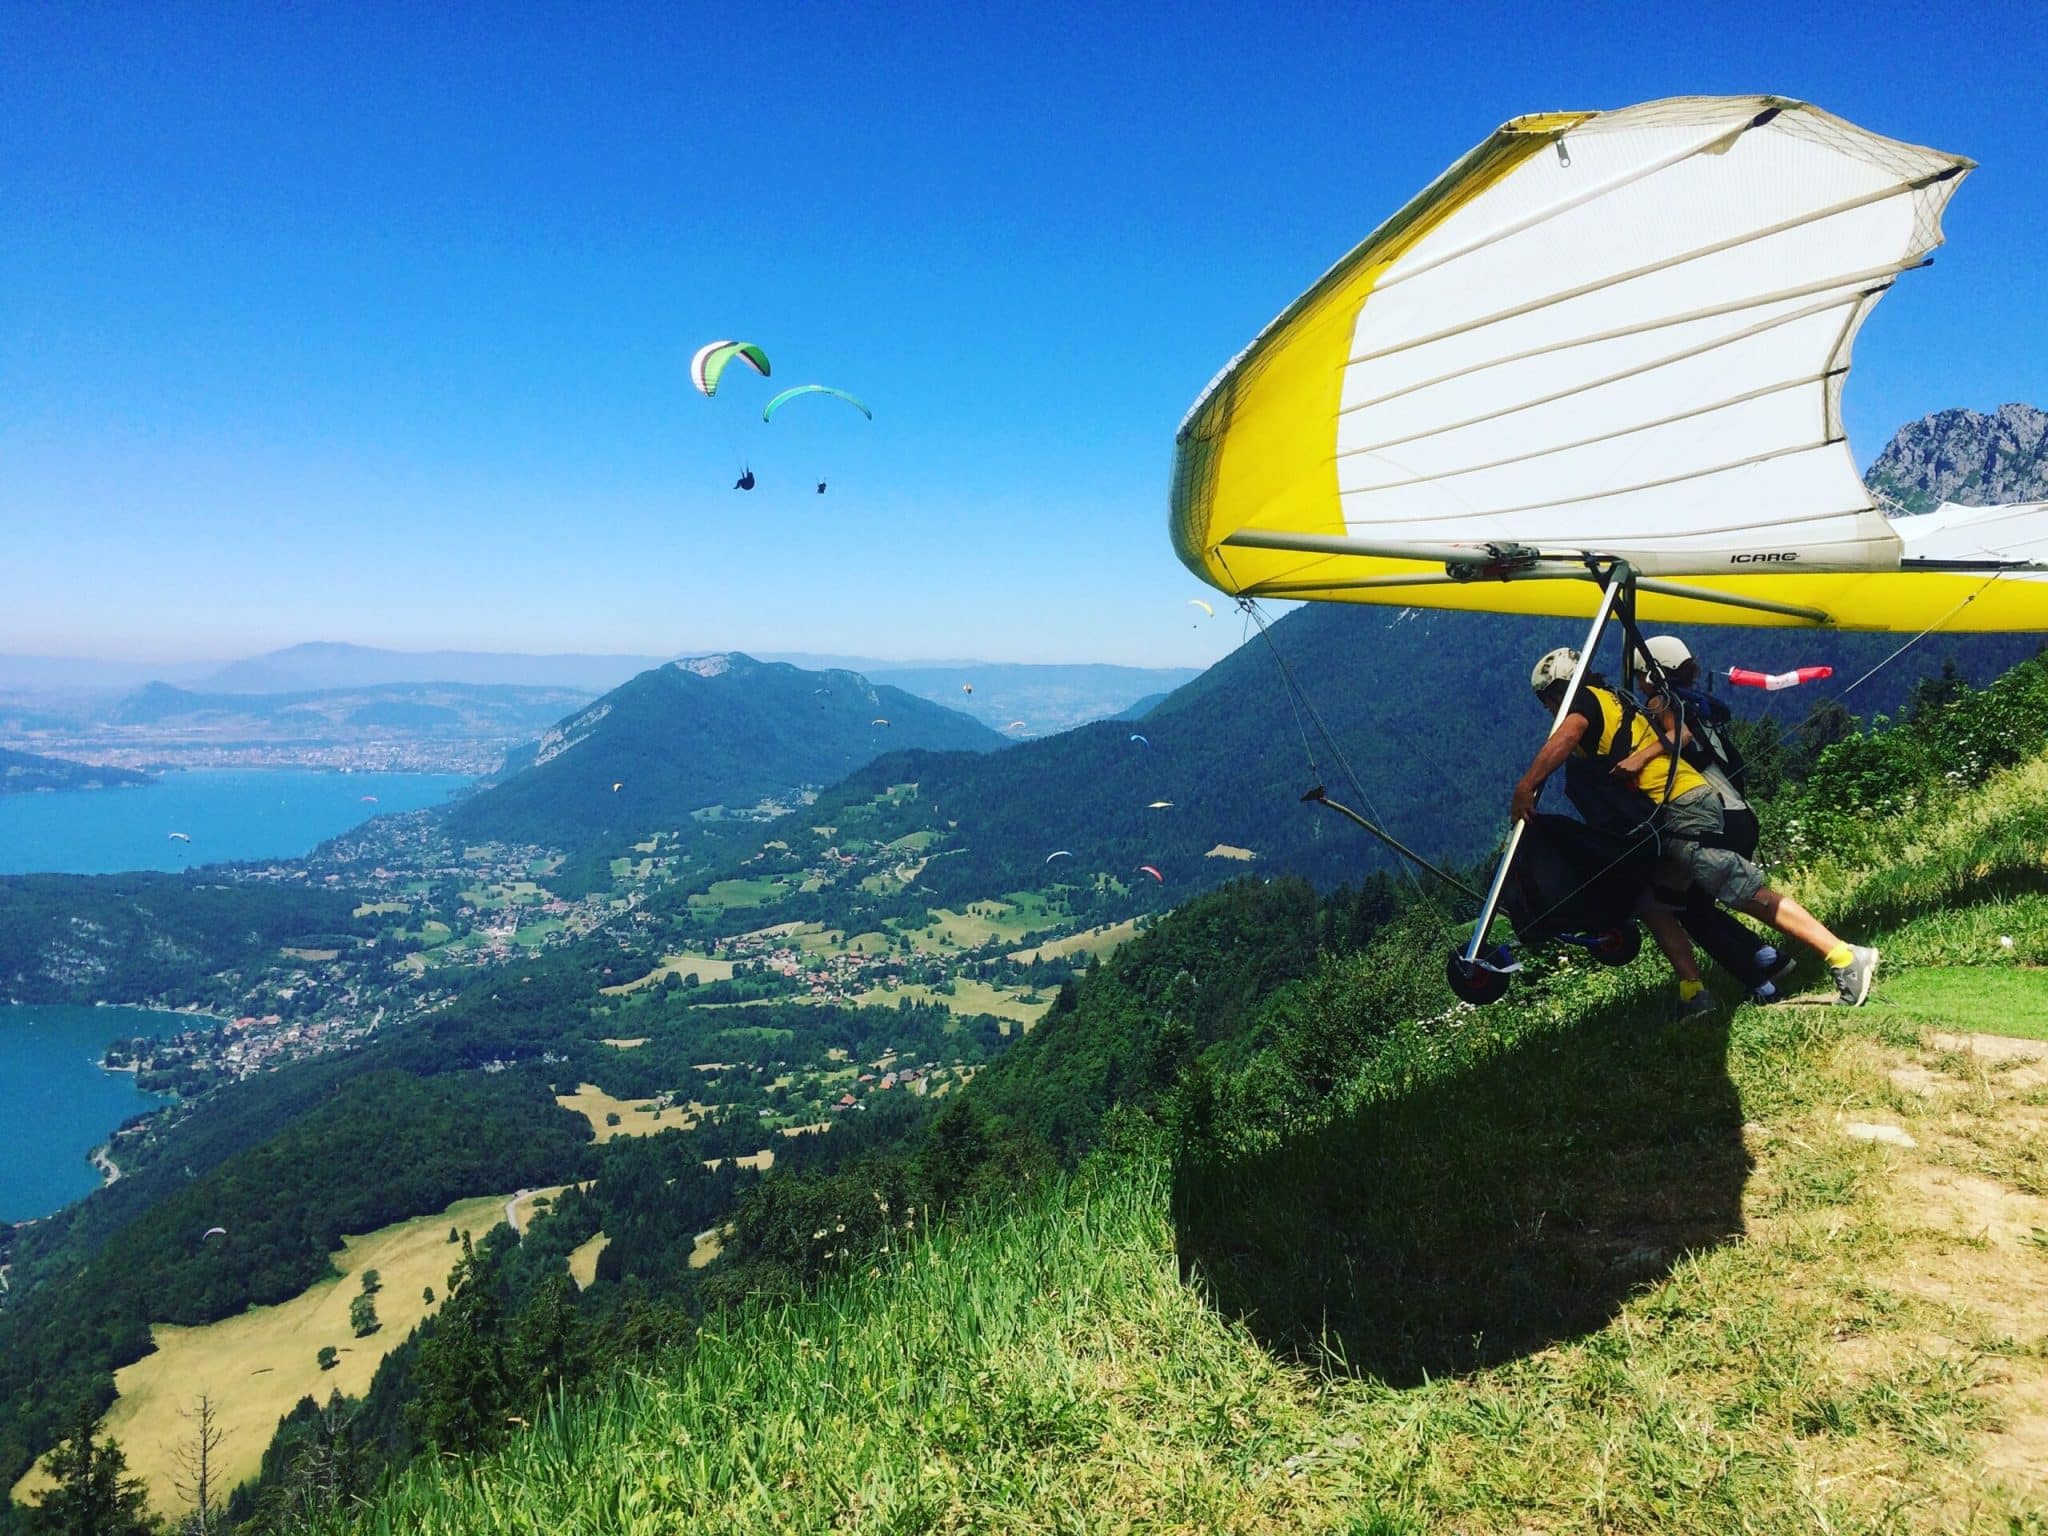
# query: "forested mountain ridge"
[[150, 936], [1966, 456], [723, 730], [1431, 710], [29, 772]]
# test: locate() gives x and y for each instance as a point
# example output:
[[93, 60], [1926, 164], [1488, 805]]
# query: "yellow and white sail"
[[1619, 335]]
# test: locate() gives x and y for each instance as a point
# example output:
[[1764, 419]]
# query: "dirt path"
[[110, 1171], [1956, 1128]]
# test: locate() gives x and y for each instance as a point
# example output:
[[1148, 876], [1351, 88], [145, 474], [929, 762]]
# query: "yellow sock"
[[1688, 990], [1839, 956]]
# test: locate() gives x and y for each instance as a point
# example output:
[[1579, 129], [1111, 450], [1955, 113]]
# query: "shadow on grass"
[[1472, 1220]]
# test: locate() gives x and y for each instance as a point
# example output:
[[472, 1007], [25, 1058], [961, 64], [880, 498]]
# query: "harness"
[[1603, 799]]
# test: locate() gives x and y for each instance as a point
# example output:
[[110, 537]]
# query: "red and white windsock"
[[1773, 681]]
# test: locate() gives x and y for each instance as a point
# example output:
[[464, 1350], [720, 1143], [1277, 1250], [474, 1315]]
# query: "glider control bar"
[[1618, 578]]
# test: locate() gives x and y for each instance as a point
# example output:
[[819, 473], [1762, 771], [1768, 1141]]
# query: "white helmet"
[[1558, 666], [1668, 651]]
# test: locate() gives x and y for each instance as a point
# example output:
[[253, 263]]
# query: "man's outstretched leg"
[[1852, 965]]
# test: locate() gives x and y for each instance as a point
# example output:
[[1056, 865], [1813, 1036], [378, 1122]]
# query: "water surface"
[[60, 1104], [275, 813]]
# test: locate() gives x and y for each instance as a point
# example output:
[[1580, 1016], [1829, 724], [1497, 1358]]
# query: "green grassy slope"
[[1554, 1265]]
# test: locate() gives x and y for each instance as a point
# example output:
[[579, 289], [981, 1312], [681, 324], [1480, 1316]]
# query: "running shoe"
[[1852, 981]]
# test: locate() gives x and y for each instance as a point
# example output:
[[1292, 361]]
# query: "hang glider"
[[1601, 340]]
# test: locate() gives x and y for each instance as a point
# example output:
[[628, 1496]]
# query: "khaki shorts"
[[1722, 873]]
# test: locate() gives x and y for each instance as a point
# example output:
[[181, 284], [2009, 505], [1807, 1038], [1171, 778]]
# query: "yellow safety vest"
[[1655, 777]]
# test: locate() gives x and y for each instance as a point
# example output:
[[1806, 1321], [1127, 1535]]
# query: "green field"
[[2006, 1001], [705, 968], [758, 891], [1091, 941], [1015, 1005], [984, 922]]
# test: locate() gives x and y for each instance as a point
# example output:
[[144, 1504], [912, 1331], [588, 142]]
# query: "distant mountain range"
[[723, 730], [330, 713], [26, 772], [1047, 698], [1966, 457], [328, 664]]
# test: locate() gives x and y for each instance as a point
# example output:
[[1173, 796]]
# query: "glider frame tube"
[[1464, 559], [1619, 576]]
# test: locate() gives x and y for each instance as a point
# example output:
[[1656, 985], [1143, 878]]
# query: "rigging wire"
[[1930, 629], [1300, 703]]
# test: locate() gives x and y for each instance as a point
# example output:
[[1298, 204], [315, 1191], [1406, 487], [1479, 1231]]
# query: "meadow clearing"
[[637, 1117], [256, 1365]]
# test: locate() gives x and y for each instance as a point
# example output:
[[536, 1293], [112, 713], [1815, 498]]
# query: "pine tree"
[[94, 1495], [547, 1348], [459, 1404]]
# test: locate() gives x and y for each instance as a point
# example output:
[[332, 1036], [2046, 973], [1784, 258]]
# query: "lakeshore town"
[[434, 914]]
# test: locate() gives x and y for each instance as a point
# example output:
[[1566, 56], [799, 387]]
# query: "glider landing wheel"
[[1473, 982], [1617, 946]]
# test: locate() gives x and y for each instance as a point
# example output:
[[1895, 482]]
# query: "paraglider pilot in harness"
[[1643, 754]]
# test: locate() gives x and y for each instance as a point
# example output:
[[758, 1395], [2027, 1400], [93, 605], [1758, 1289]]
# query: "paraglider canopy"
[[714, 357], [1141, 741], [768, 411], [1147, 869], [214, 1232], [1059, 853]]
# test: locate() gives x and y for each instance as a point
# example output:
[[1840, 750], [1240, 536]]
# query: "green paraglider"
[[709, 365], [768, 411]]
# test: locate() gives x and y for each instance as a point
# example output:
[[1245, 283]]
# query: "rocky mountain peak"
[[1965, 456]]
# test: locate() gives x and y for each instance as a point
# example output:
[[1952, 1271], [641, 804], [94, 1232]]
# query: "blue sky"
[[370, 322]]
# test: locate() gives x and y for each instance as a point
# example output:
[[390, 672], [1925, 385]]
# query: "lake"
[[241, 814], [60, 1105]]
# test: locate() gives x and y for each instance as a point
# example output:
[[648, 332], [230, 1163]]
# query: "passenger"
[[1712, 749], [1645, 750]]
